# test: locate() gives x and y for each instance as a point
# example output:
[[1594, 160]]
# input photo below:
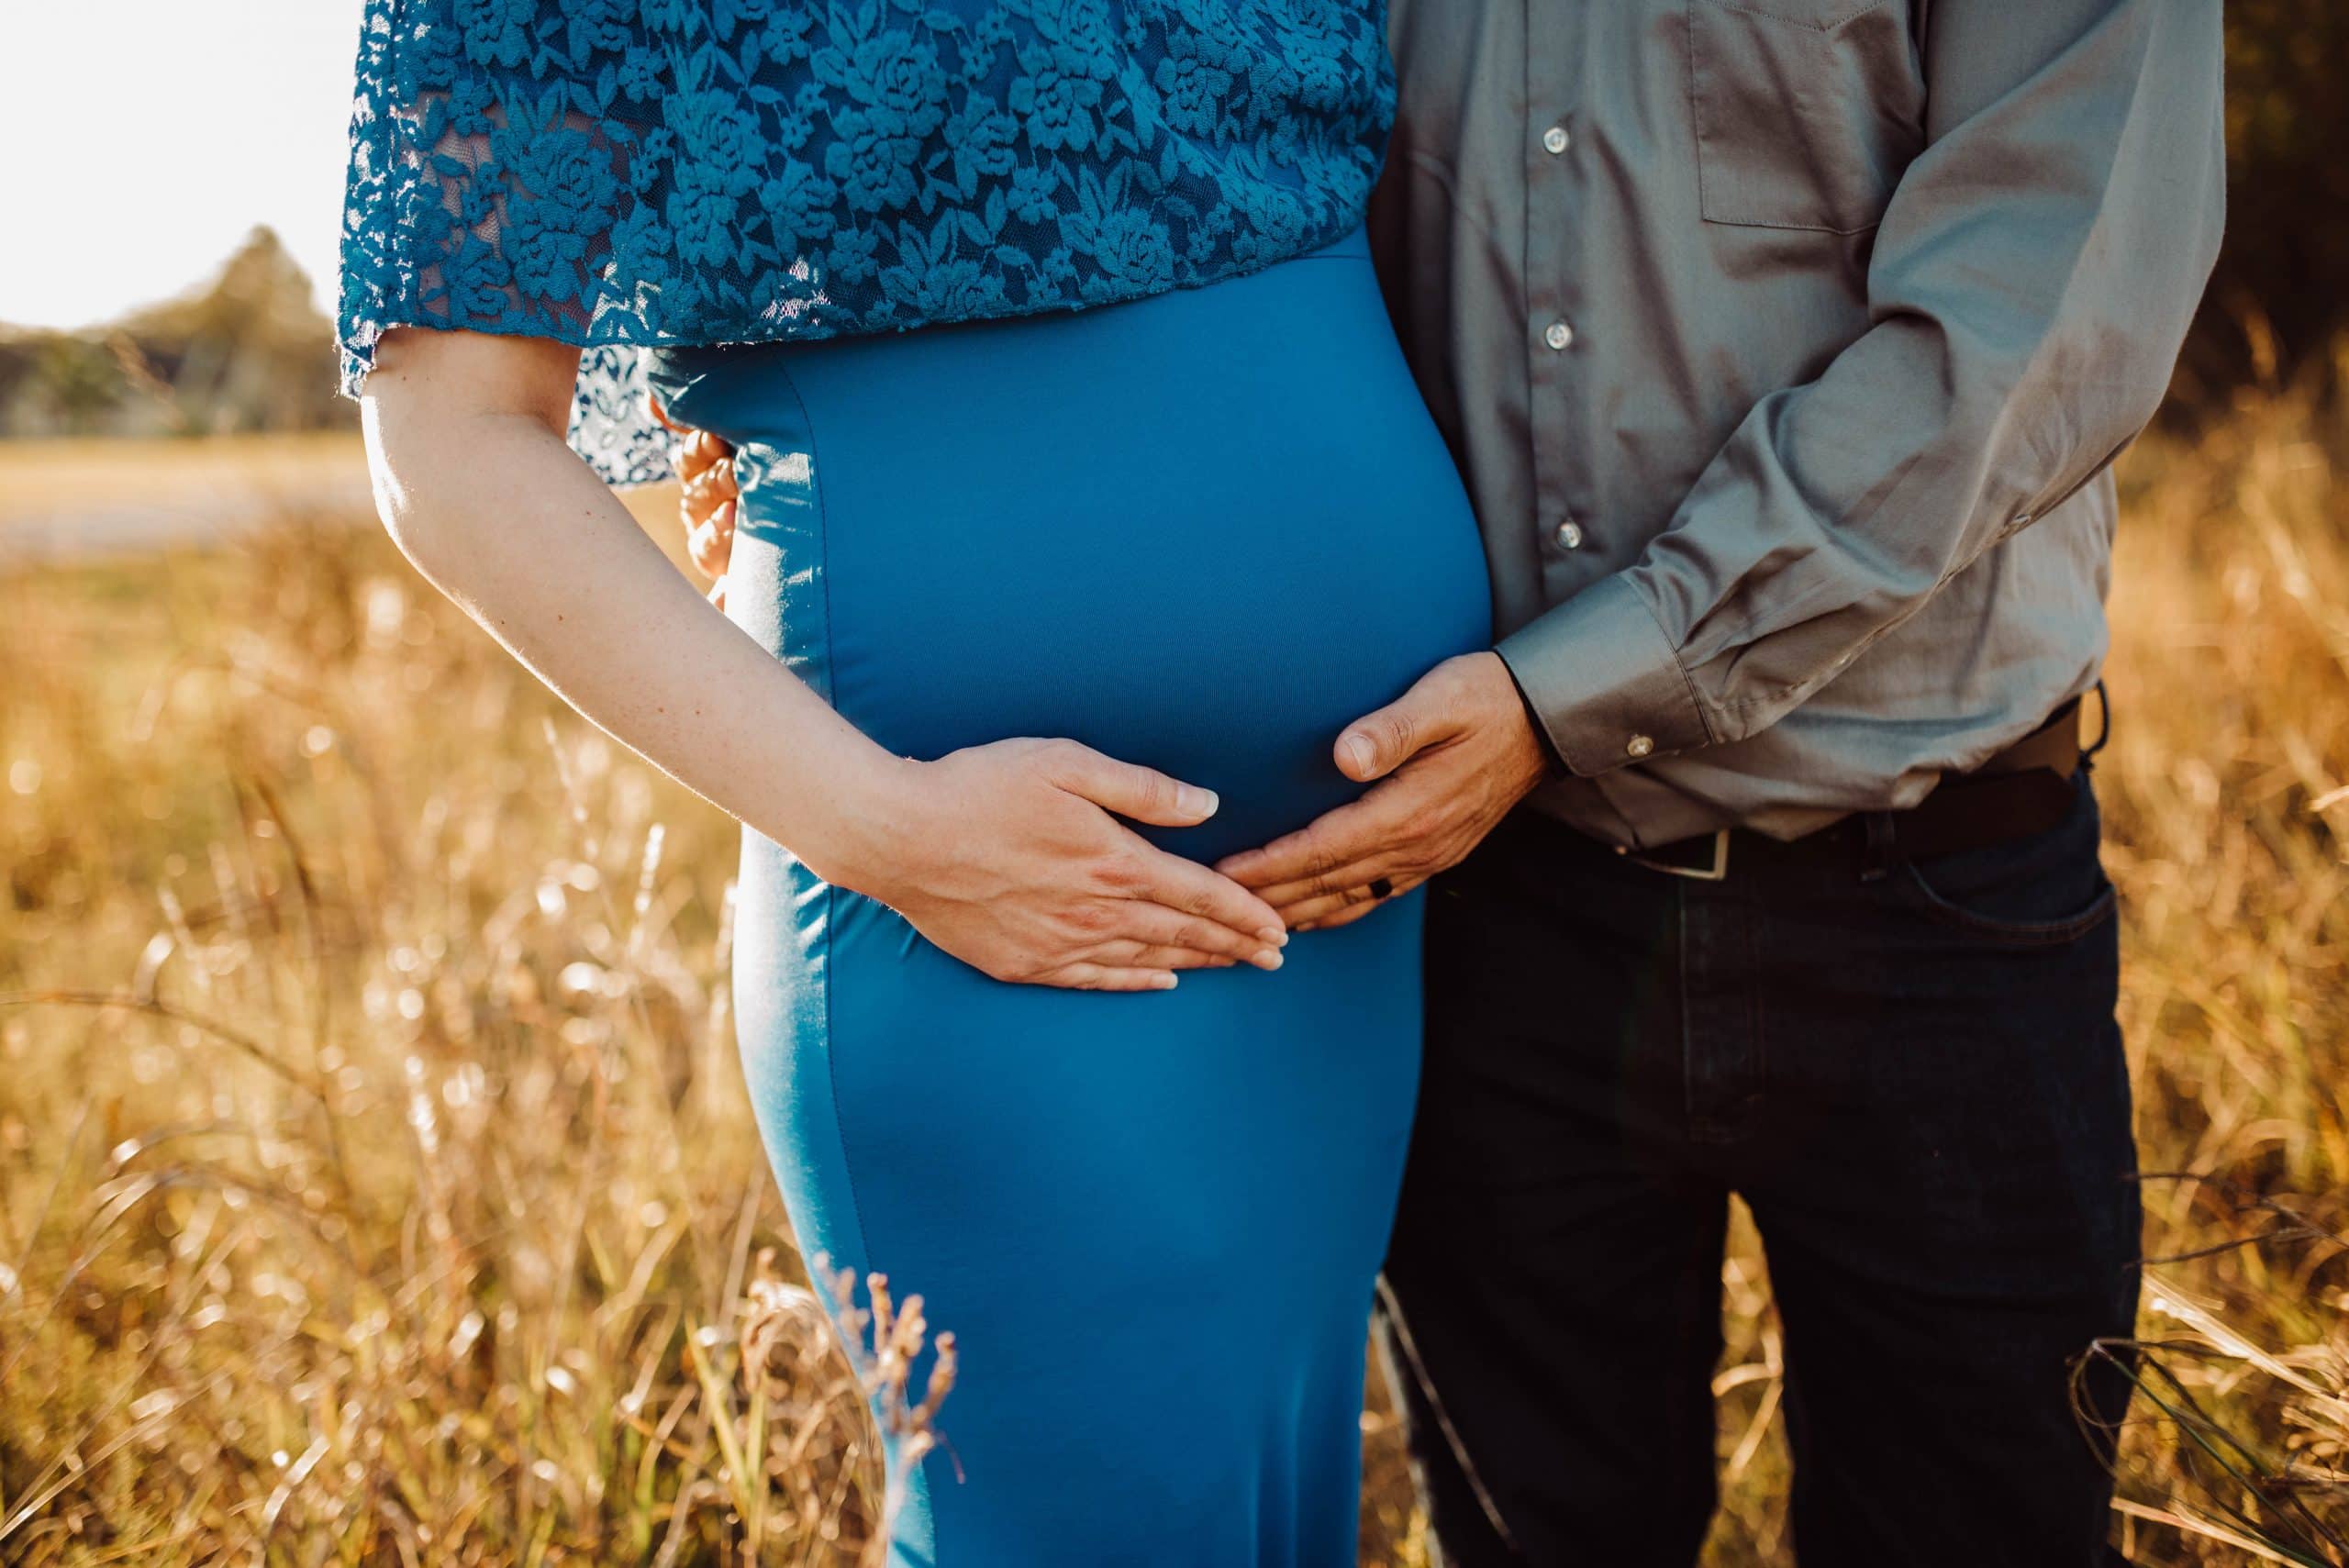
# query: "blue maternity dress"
[[1200, 521]]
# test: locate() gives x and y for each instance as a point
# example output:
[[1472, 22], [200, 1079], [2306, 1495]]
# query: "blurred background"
[[376, 1183]]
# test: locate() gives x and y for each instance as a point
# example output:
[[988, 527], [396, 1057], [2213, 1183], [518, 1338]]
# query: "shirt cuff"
[[1605, 681]]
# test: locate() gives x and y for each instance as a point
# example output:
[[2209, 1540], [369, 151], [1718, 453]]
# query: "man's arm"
[[2031, 283], [2033, 279]]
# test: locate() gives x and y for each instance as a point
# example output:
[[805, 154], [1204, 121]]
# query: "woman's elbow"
[[410, 526], [443, 405], [395, 466]]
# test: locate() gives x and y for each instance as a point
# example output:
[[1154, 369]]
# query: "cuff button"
[[1639, 746]]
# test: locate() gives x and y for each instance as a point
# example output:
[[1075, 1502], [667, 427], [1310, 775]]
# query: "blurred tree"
[[82, 380], [246, 350]]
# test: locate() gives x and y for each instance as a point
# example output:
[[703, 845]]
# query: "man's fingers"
[[1352, 876], [710, 542], [1144, 794], [707, 498], [695, 450], [708, 489], [1313, 913], [1335, 838], [1378, 743], [1346, 911], [707, 504]]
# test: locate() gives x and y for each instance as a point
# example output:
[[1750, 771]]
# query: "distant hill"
[[246, 352]]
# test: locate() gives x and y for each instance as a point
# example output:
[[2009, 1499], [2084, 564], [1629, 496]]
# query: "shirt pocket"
[[1807, 111]]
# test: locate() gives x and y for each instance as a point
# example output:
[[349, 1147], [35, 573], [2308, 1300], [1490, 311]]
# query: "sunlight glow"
[[145, 138]]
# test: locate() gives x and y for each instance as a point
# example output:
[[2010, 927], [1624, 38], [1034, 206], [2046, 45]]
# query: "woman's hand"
[[1013, 862], [1007, 856], [708, 498]]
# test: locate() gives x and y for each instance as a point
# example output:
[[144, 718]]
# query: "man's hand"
[[705, 468], [1452, 755]]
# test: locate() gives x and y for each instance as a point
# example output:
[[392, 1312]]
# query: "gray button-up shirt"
[[1786, 346]]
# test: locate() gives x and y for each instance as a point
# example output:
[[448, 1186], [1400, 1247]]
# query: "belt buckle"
[[1717, 871]]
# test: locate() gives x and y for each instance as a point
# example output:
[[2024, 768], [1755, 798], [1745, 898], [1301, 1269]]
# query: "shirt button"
[[1639, 746], [1570, 535], [1556, 139], [1558, 335]]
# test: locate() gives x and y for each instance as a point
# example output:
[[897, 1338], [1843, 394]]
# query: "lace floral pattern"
[[638, 173]]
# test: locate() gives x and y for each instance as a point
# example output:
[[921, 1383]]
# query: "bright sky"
[[140, 141]]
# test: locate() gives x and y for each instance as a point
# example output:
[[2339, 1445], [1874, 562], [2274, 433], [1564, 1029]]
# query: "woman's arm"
[[1004, 855]]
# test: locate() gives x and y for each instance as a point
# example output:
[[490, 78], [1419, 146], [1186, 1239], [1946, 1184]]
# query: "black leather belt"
[[2023, 790]]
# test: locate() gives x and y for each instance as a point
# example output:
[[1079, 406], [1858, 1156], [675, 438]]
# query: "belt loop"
[[1875, 859], [2104, 726]]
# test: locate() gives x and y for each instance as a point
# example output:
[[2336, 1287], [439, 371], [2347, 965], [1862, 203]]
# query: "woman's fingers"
[[1188, 888], [1143, 955], [1144, 794], [1042, 884], [1168, 931], [1106, 977]]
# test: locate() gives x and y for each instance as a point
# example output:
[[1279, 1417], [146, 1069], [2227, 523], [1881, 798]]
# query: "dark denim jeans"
[[1915, 1082]]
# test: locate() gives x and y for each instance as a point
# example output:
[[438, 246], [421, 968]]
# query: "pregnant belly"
[[1202, 533]]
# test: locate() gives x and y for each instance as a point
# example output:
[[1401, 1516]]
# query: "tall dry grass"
[[2225, 789], [375, 1182], [376, 1185]]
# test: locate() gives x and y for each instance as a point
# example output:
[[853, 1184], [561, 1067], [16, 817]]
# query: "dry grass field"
[[97, 474], [378, 1186]]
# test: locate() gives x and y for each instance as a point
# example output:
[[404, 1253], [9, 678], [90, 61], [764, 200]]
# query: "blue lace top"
[[640, 172]]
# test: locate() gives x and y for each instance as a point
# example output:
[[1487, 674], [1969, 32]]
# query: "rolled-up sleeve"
[[2033, 278]]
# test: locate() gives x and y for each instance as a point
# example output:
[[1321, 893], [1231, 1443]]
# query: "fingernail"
[[1164, 983], [1359, 748], [1276, 935], [1198, 801], [1266, 961]]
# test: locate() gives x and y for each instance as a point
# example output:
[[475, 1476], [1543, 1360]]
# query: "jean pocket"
[[2006, 928], [2046, 891], [2042, 890], [1807, 111]]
